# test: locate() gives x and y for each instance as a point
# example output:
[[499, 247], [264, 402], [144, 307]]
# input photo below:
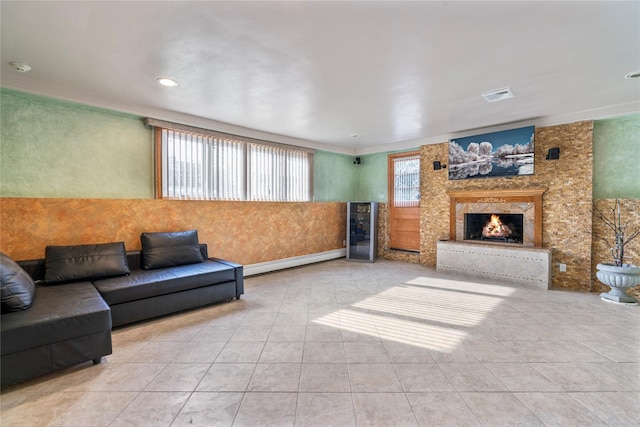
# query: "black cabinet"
[[362, 231]]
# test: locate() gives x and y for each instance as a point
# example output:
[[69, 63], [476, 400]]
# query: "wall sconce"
[[437, 166], [357, 161], [553, 154]]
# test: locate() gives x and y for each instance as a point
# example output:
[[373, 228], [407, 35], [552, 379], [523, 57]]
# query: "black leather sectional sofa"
[[81, 292]]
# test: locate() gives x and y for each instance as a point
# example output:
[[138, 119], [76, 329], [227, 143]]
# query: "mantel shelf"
[[481, 194]]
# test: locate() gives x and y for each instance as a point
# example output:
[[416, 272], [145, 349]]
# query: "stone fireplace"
[[497, 234], [518, 212]]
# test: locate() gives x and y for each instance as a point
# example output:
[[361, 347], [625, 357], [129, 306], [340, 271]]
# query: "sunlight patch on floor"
[[430, 313], [400, 330], [431, 305]]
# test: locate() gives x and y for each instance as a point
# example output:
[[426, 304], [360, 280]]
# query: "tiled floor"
[[342, 344]]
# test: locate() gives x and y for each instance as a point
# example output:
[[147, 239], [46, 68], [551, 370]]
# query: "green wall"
[[333, 177], [616, 158], [371, 181], [52, 148]]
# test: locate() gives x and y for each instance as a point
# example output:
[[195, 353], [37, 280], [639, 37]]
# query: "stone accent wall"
[[630, 211], [434, 201], [383, 229], [566, 203]]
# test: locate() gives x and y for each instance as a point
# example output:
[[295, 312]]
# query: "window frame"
[[391, 180], [246, 194]]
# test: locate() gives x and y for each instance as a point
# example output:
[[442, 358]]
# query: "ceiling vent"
[[498, 95]]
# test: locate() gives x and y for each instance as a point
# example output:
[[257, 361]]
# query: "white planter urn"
[[618, 278]]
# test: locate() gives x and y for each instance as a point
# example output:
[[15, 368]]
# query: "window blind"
[[199, 167], [210, 166], [406, 181], [278, 174]]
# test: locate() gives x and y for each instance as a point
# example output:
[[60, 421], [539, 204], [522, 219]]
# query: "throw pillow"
[[17, 288], [169, 249], [85, 262]]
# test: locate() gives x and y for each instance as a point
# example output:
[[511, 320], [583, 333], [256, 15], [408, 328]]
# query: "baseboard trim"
[[280, 264]]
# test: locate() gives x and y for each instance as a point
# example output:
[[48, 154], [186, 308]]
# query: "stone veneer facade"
[[566, 202]]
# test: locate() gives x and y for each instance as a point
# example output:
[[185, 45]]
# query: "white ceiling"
[[399, 74]]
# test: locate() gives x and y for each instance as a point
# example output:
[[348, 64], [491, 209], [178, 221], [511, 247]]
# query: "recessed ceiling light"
[[633, 75], [20, 67], [498, 95], [165, 81]]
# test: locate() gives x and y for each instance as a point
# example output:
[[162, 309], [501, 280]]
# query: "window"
[[197, 164], [201, 167], [406, 181], [278, 174]]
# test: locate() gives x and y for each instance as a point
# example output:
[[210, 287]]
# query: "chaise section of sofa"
[[65, 325]]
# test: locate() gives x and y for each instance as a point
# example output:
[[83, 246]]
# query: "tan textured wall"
[[566, 203], [244, 232], [630, 211]]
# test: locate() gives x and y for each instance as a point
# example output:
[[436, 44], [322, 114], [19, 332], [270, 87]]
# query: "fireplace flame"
[[495, 228]]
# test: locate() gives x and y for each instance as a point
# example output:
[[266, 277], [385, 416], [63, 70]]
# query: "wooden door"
[[404, 201]]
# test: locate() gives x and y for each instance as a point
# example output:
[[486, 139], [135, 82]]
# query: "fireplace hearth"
[[497, 234]]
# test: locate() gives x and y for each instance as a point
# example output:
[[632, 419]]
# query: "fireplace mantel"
[[460, 199]]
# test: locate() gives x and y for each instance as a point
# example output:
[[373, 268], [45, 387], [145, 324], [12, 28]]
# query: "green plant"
[[620, 236]]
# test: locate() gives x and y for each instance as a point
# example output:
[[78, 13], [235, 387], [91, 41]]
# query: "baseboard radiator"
[[280, 264]]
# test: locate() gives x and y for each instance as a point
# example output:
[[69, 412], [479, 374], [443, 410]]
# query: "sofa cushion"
[[85, 262], [142, 284], [58, 313], [17, 288], [170, 249]]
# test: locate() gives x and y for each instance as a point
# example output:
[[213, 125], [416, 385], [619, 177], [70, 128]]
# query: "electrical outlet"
[[562, 267], [344, 243]]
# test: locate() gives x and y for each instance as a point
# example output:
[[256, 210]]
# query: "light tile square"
[[282, 352], [240, 352], [275, 377], [422, 377], [179, 377], [325, 378], [442, 409], [500, 409], [366, 377], [383, 409], [152, 409], [471, 377], [233, 377], [324, 352], [312, 410], [209, 409], [261, 409]]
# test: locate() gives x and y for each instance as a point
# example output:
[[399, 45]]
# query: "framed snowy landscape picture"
[[504, 153]]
